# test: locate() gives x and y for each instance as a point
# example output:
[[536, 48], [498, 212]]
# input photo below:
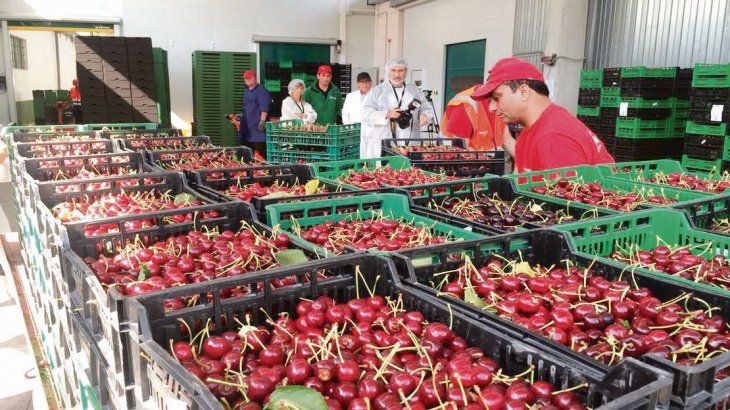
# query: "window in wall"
[[20, 53]]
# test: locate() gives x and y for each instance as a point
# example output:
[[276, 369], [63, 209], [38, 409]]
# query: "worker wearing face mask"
[[393, 109]]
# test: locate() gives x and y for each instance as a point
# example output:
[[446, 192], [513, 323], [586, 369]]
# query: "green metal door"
[[162, 86], [464, 67], [217, 92]]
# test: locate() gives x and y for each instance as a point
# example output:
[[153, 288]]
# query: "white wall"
[[61, 10], [182, 26], [42, 69], [429, 27]]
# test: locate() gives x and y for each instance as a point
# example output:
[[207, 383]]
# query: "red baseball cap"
[[249, 74], [507, 69], [324, 69]]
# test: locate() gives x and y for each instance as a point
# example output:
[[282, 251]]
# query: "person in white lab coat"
[[387, 103], [352, 110], [294, 107]]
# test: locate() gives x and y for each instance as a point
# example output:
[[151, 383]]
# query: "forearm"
[[264, 114]]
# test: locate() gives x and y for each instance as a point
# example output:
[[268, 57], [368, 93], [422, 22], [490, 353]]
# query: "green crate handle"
[[336, 169], [597, 238]]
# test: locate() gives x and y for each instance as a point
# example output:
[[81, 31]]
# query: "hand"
[[424, 120], [300, 114], [394, 113], [262, 125]]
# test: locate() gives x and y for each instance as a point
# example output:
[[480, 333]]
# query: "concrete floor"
[[21, 383]]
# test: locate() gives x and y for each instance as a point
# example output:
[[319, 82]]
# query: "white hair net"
[[396, 62], [294, 84]]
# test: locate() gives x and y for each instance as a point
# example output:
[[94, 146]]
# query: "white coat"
[[291, 111], [381, 99], [352, 109]]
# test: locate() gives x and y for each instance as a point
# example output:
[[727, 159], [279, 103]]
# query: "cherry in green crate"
[[605, 319], [680, 261], [381, 233], [593, 193], [371, 355], [193, 161], [687, 181], [381, 177]]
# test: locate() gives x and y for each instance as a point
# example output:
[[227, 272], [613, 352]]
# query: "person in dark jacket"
[[325, 97], [254, 112]]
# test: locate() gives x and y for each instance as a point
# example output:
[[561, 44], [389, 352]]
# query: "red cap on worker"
[[324, 69], [249, 74], [507, 69]]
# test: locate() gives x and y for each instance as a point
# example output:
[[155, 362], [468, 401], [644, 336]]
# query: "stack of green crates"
[[285, 143], [707, 145], [589, 99]]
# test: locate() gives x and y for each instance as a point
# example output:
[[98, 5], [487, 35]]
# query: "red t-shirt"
[[558, 139]]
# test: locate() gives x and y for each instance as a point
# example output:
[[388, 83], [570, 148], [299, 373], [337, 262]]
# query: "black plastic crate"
[[162, 143], [458, 162], [161, 375], [704, 116], [267, 175], [611, 77], [47, 149], [472, 189], [702, 213], [105, 309], [166, 159], [693, 386], [643, 113], [589, 100], [706, 147], [55, 136], [46, 169]]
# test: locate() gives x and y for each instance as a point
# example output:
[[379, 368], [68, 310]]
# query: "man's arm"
[[508, 142]]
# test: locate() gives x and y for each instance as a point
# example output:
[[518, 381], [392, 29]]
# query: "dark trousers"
[[259, 147], [77, 113]]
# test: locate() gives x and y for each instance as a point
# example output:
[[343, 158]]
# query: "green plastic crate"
[[701, 164], [610, 97], [525, 182], [679, 103], [709, 129], [298, 76], [280, 152], [285, 64], [591, 78], [645, 72], [589, 111], [122, 126], [333, 136], [273, 85], [393, 206], [703, 212], [646, 229], [711, 76], [333, 170], [632, 127]]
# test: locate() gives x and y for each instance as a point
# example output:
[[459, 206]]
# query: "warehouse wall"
[[62, 10], [429, 27], [657, 33], [182, 26]]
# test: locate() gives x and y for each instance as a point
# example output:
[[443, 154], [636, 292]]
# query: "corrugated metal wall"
[[529, 35], [657, 33]]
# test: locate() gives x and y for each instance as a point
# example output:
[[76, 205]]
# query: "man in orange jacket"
[[466, 118]]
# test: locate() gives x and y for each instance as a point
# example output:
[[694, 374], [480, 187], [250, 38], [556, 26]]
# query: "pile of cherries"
[[605, 319], [360, 355], [114, 205], [163, 144], [688, 181], [499, 214], [679, 262], [380, 233], [593, 193], [384, 176], [256, 190], [67, 149], [91, 163], [193, 161], [441, 152], [720, 225], [190, 258]]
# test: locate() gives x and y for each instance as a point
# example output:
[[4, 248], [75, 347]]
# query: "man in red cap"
[[325, 97], [552, 136], [256, 101]]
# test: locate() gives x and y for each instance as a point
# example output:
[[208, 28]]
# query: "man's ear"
[[524, 91]]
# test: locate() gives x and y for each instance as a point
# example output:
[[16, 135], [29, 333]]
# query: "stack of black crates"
[[707, 146], [116, 79], [638, 112], [278, 74]]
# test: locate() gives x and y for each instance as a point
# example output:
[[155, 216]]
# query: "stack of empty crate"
[[635, 114], [708, 131]]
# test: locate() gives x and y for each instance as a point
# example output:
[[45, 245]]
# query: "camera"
[[406, 116]]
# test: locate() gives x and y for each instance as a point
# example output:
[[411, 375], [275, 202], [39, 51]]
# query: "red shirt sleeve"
[[555, 150]]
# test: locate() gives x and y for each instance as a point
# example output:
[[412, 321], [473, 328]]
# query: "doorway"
[[464, 67]]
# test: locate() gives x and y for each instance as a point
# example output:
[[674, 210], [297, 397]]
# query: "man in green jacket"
[[325, 97]]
